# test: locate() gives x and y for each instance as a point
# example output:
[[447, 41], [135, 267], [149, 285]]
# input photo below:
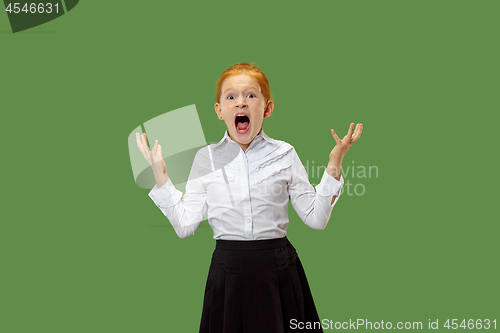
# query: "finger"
[[349, 133], [145, 147], [162, 160], [357, 133], [138, 139], [335, 136], [144, 142], [360, 130], [155, 147], [140, 144]]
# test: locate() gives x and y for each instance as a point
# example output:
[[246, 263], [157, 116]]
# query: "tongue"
[[242, 126]]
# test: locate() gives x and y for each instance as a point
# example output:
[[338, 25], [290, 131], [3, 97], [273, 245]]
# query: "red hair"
[[248, 69]]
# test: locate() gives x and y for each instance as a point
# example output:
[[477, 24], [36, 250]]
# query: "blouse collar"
[[258, 137]]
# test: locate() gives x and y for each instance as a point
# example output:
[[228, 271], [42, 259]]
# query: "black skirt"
[[257, 286]]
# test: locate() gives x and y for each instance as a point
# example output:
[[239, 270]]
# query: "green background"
[[83, 249]]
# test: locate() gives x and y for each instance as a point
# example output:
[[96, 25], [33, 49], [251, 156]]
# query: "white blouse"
[[247, 193]]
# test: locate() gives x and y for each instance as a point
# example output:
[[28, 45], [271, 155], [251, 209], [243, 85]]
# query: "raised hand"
[[154, 158], [341, 148]]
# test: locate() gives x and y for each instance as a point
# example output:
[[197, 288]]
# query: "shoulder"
[[281, 143], [285, 154], [276, 146], [211, 158], [283, 146], [273, 151], [201, 162], [282, 150], [202, 154]]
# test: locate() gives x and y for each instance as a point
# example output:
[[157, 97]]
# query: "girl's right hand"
[[153, 157]]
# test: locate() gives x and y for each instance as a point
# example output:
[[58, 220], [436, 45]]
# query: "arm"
[[313, 207], [184, 213], [335, 173]]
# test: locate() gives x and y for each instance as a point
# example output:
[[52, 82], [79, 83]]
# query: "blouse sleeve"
[[313, 207], [187, 212]]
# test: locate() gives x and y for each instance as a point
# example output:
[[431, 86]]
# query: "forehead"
[[240, 82]]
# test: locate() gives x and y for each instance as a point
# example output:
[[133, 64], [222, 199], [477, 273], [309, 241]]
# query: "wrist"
[[334, 171], [161, 179]]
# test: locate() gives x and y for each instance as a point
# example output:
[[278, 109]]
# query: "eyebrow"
[[245, 89]]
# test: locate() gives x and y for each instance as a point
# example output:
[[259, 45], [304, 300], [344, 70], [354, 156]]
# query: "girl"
[[256, 282]]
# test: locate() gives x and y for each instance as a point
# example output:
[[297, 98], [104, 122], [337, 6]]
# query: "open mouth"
[[242, 123]]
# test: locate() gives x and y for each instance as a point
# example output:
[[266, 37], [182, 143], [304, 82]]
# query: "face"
[[243, 107]]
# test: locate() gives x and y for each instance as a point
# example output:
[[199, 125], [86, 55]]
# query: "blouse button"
[[248, 220]]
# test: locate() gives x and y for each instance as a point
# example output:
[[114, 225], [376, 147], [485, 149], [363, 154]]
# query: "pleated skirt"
[[257, 286]]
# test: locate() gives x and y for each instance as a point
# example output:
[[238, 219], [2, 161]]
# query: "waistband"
[[246, 245]]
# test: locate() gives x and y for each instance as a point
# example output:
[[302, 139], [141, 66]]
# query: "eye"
[[251, 95], [229, 97]]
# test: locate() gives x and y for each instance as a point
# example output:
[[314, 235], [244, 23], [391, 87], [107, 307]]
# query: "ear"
[[218, 110], [269, 109]]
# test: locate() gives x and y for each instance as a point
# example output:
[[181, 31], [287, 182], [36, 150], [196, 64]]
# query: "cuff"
[[165, 196], [330, 186]]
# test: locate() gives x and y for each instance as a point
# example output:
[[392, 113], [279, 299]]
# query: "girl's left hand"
[[341, 148]]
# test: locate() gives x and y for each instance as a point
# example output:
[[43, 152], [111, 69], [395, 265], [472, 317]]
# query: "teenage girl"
[[256, 282]]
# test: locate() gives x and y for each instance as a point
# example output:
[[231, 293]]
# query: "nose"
[[241, 102]]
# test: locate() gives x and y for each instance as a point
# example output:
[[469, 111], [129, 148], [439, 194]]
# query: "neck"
[[244, 146]]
